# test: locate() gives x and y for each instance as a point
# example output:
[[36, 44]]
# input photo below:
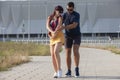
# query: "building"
[[27, 18]]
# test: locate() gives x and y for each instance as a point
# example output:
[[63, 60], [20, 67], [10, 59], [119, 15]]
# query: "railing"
[[100, 41], [43, 40], [85, 41]]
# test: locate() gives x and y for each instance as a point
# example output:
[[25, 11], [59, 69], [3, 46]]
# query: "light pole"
[[1, 32], [29, 21], [46, 18], [23, 31], [118, 34], [3, 29], [118, 31]]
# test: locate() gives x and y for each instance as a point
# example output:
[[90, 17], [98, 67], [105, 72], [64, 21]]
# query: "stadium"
[[26, 19]]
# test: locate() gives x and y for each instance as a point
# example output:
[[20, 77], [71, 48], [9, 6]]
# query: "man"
[[72, 37]]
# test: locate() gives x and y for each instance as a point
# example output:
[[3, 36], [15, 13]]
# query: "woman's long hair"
[[57, 8]]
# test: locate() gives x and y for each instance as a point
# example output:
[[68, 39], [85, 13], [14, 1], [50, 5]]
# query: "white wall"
[[97, 16]]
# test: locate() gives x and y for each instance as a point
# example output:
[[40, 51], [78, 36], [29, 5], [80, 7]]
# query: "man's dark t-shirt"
[[69, 19]]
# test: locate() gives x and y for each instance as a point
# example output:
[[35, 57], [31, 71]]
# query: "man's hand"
[[72, 26], [60, 28]]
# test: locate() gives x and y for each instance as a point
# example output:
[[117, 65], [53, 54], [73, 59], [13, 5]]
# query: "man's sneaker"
[[59, 74], [55, 75], [68, 74], [77, 72]]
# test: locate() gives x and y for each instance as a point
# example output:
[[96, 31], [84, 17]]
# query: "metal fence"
[[100, 41], [85, 41]]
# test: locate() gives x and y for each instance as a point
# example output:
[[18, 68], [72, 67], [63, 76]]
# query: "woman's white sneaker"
[[59, 74], [55, 75]]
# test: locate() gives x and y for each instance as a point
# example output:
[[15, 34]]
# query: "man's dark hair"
[[70, 4]]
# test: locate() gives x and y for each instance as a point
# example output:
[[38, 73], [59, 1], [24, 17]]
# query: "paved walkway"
[[95, 64]]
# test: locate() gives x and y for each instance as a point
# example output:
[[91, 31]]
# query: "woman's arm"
[[48, 25], [59, 23]]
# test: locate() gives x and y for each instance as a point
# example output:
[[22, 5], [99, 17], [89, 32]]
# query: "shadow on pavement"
[[96, 77]]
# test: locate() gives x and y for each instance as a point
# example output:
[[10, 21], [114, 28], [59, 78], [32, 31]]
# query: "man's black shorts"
[[69, 41]]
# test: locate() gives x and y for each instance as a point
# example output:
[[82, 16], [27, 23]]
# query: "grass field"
[[12, 54], [113, 49]]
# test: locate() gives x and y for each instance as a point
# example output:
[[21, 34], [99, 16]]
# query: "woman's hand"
[[52, 34]]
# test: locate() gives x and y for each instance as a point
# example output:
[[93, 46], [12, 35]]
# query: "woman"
[[54, 22]]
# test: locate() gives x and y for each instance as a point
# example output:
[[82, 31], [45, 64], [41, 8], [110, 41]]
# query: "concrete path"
[[95, 64]]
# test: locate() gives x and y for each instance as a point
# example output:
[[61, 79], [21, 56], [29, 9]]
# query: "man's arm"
[[71, 26]]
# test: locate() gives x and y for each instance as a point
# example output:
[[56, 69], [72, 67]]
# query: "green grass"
[[113, 49], [12, 54], [38, 49]]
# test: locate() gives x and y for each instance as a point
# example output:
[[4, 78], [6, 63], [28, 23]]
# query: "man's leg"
[[68, 58], [68, 46], [76, 54], [76, 42]]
